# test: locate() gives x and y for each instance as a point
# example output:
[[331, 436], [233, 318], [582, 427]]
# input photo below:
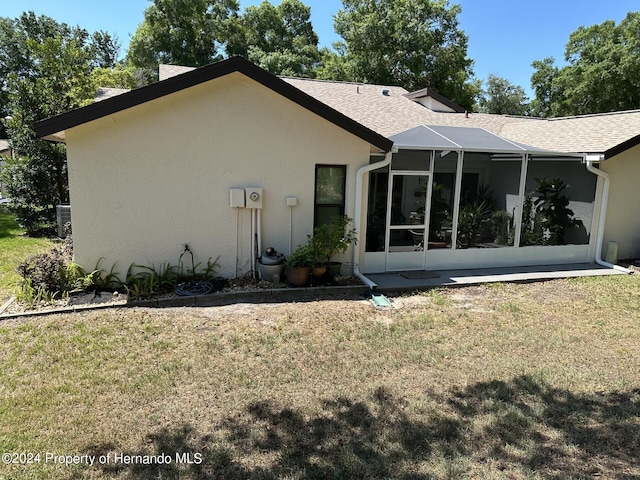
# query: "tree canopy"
[[503, 98], [411, 43], [602, 71], [183, 32], [280, 38], [46, 69]]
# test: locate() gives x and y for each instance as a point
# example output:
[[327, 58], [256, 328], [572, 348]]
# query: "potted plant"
[[298, 266], [331, 239]]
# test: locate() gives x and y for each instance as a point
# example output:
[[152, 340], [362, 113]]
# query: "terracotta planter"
[[298, 277], [319, 271]]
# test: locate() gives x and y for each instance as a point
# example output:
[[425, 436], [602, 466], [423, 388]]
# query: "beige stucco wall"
[[622, 223], [149, 179]]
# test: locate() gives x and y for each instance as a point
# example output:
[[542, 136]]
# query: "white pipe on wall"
[[259, 229], [357, 216], [238, 239], [253, 243], [290, 229], [602, 215]]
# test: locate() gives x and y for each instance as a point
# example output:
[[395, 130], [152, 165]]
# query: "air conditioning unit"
[[63, 212]]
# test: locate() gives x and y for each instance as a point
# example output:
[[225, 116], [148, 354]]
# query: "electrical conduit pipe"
[[603, 211], [357, 217]]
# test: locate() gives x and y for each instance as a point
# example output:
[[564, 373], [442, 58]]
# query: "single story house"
[[230, 159]]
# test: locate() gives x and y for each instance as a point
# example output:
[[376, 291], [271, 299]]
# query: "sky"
[[505, 36]]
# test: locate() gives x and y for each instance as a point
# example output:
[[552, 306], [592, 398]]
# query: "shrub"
[[45, 272]]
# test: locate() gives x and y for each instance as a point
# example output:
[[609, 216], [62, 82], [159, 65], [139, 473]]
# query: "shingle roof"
[[104, 93], [585, 134], [395, 113], [389, 110]]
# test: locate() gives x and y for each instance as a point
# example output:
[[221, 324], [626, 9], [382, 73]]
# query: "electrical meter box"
[[254, 197]]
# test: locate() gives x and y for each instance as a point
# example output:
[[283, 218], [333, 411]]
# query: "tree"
[[547, 94], [503, 98], [412, 43], [279, 39], [118, 77], [47, 71], [183, 32], [17, 56], [602, 72]]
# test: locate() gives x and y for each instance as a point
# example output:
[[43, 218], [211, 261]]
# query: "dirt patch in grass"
[[494, 381]]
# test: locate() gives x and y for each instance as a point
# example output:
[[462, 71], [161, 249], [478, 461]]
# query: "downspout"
[[603, 211], [358, 214]]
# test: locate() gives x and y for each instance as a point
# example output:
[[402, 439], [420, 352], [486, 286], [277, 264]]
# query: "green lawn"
[[15, 247], [524, 381]]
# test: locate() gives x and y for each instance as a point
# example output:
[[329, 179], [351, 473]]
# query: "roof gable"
[[53, 128]]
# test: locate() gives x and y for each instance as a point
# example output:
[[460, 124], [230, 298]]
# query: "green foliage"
[[32, 184], [33, 296], [46, 272], [472, 219], [503, 98], [280, 38], [546, 219], [546, 93], [439, 213], [14, 248], [502, 227], [117, 77], [475, 215], [531, 232], [143, 282], [602, 72], [333, 238], [183, 32], [412, 43], [45, 70], [50, 276], [303, 256], [552, 205], [19, 38]]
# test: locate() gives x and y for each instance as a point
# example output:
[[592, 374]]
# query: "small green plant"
[[472, 220], [142, 281], [33, 296], [303, 256], [333, 238]]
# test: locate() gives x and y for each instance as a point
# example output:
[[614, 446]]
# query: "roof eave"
[[622, 147]]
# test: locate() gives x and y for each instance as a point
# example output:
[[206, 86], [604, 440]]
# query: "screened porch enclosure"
[[456, 197]]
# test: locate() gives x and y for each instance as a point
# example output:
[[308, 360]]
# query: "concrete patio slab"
[[395, 281]]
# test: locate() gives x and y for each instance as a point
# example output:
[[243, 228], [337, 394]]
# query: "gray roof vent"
[[384, 92]]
